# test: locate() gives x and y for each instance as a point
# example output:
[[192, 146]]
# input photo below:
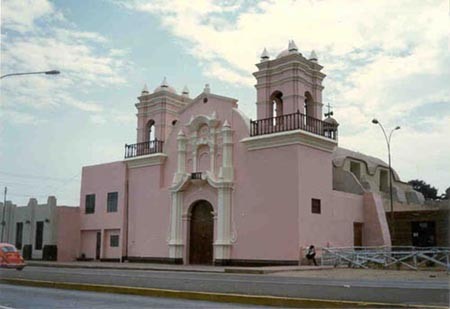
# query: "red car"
[[10, 257]]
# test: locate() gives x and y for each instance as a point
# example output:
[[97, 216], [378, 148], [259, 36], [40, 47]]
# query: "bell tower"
[[158, 111], [289, 83]]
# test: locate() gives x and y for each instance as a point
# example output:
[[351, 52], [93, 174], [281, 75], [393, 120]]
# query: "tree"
[[446, 194], [427, 190]]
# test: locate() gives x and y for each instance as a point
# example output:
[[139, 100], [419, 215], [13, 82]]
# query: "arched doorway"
[[201, 233]]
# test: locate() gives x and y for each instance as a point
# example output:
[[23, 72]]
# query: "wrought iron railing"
[[144, 148], [289, 122], [386, 256], [196, 175]]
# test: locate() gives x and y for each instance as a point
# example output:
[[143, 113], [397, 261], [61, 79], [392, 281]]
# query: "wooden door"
[[357, 234], [201, 234]]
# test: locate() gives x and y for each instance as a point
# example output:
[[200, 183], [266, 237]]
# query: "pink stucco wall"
[[88, 243], [265, 212], [110, 252], [68, 236], [148, 213], [100, 180]]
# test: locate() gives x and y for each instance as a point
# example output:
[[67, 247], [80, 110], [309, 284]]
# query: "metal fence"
[[385, 257]]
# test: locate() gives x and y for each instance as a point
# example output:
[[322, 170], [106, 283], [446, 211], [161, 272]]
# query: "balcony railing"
[[196, 175], [142, 149], [289, 122]]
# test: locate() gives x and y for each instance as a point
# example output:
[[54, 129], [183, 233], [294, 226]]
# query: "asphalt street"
[[426, 292], [31, 297]]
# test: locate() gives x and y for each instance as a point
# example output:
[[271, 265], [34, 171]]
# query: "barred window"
[[111, 205], [315, 206], [90, 204], [114, 240]]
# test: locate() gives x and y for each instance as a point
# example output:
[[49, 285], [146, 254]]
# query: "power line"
[[55, 189], [35, 176]]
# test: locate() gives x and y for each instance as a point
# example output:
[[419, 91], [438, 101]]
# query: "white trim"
[[290, 138], [147, 160]]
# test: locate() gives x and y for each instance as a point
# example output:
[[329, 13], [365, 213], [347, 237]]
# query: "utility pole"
[[3, 214]]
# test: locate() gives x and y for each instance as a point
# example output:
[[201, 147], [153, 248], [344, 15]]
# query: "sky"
[[384, 59]]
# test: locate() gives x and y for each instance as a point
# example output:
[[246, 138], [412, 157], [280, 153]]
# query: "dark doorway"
[[98, 245], [423, 234], [201, 234], [357, 234]]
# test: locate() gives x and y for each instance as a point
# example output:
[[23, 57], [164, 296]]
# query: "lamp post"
[[52, 72], [388, 142]]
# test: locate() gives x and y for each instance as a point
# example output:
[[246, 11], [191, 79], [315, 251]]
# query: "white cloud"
[[21, 15], [82, 57]]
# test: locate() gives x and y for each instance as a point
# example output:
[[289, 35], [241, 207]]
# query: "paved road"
[[430, 292], [30, 297]]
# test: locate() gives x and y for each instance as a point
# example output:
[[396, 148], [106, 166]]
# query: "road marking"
[[4, 307]]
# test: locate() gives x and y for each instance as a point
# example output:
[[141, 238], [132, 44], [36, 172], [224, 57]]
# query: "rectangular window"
[[114, 240], [384, 183], [90, 204], [111, 205], [39, 235], [355, 168], [19, 233], [315, 206]]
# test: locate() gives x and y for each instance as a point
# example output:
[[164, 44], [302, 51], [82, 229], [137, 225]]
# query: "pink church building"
[[203, 184]]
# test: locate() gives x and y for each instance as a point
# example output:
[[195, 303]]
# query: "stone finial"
[[185, 91], [181, 133], [313, 56], [164, 83], [292, 48], [226, 124], [145, 90], [265, 55], [207, 89]]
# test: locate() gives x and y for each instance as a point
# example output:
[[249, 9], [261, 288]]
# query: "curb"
[[209, 296], [123, 268], [267, 270]]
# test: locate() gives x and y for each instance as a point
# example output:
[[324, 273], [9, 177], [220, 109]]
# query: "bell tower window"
[[309, 104], [276, 106], [150, 131]]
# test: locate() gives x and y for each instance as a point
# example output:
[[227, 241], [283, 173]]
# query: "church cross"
[[330, 113]]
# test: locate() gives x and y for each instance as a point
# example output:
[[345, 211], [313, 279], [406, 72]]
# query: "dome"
[[331, 120], [165, 87], [292, 49], [284, 53]]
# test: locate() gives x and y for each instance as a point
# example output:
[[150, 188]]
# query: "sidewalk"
[[172, 267]]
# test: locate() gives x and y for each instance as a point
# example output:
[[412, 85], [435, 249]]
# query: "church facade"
[[203, 184]]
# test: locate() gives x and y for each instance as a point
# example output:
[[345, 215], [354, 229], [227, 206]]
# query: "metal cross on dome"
[[329, 113]]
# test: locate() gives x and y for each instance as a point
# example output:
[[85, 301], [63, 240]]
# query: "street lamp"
[[388, 142], [52, 72]]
